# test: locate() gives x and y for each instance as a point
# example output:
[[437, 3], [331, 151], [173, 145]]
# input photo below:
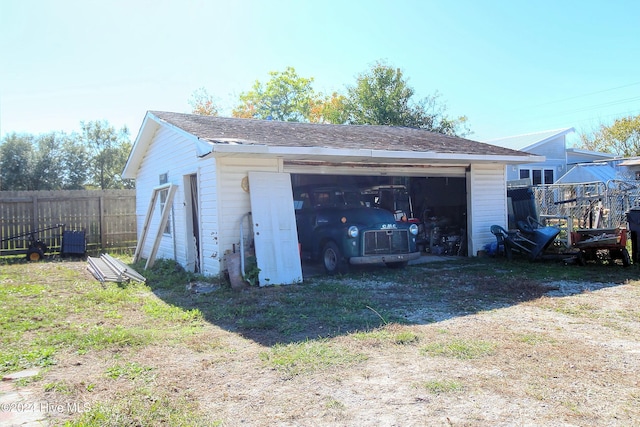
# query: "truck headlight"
[[353, 231], [413, 229]]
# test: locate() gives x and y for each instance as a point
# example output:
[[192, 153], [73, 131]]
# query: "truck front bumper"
[[386, 258]]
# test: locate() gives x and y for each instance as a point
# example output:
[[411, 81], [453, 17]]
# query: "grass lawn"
[[374, 347]]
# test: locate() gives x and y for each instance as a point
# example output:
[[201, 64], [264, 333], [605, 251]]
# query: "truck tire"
[[332, 259]]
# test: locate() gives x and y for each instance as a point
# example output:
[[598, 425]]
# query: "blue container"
[[73, 243]]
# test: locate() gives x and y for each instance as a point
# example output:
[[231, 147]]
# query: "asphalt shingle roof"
[[225, 130]]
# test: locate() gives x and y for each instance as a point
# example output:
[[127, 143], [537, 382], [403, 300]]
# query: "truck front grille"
[[386, 242]]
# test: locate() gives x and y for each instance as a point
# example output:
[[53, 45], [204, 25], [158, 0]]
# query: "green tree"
[[285, 97], [329, 109], [202, 103], [382, 96], [108, 149], [75, 163], [621, 138], [17, 159], [48, 169]]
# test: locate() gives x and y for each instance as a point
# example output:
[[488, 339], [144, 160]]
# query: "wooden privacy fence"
[[107, 217]]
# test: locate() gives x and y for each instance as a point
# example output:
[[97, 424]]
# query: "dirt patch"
[[450, 347]]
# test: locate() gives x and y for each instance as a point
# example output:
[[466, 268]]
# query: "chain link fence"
[[590, 205]]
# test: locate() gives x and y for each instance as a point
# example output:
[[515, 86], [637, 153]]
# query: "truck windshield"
[[352, 198], [337, 198]]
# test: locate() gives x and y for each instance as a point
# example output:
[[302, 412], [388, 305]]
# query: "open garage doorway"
[[437, 204]]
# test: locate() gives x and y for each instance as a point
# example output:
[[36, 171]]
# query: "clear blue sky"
[[512, 67]]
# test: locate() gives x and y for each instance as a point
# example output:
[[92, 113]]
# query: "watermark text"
[[46, 407]]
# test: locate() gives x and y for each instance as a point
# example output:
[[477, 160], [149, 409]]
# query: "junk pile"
[[108, 269]]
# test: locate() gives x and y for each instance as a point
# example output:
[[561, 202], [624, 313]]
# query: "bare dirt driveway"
[[455, 343]]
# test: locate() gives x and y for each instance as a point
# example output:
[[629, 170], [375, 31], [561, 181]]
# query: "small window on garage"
[[164, 179]]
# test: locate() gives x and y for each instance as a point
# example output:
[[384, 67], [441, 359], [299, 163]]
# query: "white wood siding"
[[487, 204], [211, 255], [173, 153], [234, 202]]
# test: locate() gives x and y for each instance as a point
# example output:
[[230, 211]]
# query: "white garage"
[[217, 178]]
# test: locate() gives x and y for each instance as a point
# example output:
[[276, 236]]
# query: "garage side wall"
[[173, 153], [487, 190], [208, 213]]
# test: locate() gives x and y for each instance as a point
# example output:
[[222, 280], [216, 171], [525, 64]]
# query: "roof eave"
[[150, 125], [590, 153], [464, 158], [297, 153]]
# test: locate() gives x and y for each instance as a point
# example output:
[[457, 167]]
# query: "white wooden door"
[[274, 228]]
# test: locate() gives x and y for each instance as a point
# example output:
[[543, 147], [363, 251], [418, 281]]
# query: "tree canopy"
[[329, 109], [93, 158], [17, 159], [621, 138], [380, 96], [285, 97], [108, 151], [202, 103]]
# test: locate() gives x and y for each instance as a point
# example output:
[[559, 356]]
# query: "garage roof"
[[307, 141], [287, 134]]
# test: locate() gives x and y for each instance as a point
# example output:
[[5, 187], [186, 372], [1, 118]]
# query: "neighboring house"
[[552, 145], [225, 168]]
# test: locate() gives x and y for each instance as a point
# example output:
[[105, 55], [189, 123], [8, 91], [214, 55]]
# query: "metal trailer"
[[587, 205], [602, 245], [37, 248]]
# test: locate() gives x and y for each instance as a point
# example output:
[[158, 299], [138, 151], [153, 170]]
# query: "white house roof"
[[223, 136], [530, 140], [589, 172], [631, 161], [579, 155]]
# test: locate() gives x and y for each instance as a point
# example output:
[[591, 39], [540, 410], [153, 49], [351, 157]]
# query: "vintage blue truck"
[[336, 227]]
